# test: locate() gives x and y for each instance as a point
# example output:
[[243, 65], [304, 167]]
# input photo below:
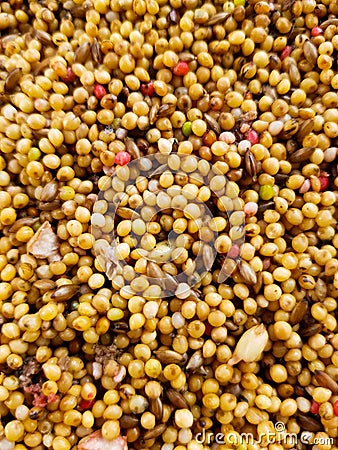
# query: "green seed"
[[239, 2], [266, 192], [186, 129], [34, 154]]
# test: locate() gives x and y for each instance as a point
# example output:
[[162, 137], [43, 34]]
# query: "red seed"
[[335, 408], [70, 77], [316, 31], [253, 137], [314, 407], [233, 252], [324, 182], [122, 158], [181, 69], [99, 91], [286, 52], [148, 89], [208, 329], [51, 398], [86, 404]]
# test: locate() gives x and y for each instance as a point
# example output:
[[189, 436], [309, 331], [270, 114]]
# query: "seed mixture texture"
[[145, 139]]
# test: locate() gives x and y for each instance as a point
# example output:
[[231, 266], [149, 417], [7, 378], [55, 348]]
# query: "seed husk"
[[176, 398], [250, 345], [49, 192], [25, 221], [65, 292], [213, 124], [44, 244], [324, 380], [82, 53], [195, 361], [153, 114], [329, 22]]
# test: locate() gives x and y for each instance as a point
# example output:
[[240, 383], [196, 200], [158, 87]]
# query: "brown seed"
[[321, 289], [166, 110], [156, 407], [247, 273], [213, 124], [294, 74], [186, 57], [305, 128], [108, 101], [251, 164], [132, 148], [78, 11], [96, 52], [48, 206], [12, 79], [217, 18], [82, 53], [170, 357], [310, 52], [324, 380], [301, 155], [155, 432], [154, 270], [290, 128], [311, 330], [298, 312], [308, 423], [65, 292], [44, 37], [127, 213], [128, 421], [177, 399], [49, 192], [44, 285]]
